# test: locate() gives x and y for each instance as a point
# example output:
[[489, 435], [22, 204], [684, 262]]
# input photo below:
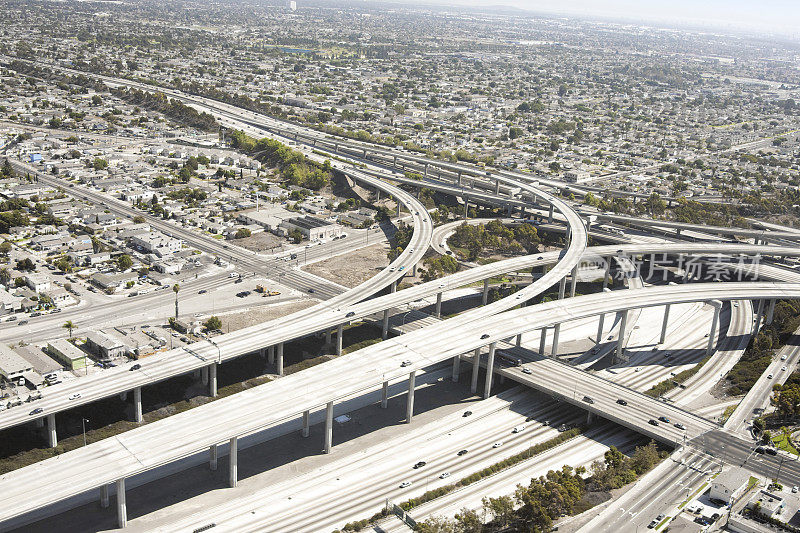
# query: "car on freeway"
[[405, 484], [783, 368], [769, 376], [622, 402], [391, 269], [137, 366], [485, 336], [771, 451], [311, 291], [401, 268], [36, 411], [795, 489], [444, 475], [462, 452], [420, 464], [497, 444], [467, 413], [663, 419], [202, 291], [351, 313], [527, 370], [75, 396], [783, 357], [679, 426], [405, 363], [653, 422], [22, 322], [588, 399], [518, 429], [239, 280], [667, 354]]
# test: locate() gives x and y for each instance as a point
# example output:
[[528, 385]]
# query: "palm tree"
[[175, 289], [70, 326], [5, 275]]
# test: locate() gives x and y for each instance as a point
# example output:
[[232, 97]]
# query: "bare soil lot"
[[352, 268]]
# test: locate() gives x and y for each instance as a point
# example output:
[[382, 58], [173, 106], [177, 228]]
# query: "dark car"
[[664, 419], [653, 422], [467, 413], [311, 291], [771, 451], [420, 464], [239, 280], [36, 411], [588, 399], [202, 291], [137, 366], [351, 313], [485, 336], [462, 452], [622, 402]]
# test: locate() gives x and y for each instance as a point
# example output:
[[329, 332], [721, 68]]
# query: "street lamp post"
[[83, 424]]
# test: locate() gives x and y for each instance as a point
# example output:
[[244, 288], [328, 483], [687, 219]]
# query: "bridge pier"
[[519, 339], [204, 375], [212, 382], [410, 402], [122, 511], [485, 296], [573, 282], [664, 324], [398, 206], [306, 428], [327, 337], [459, 178], [385, 325], [562, 287], [233, 466], [137, 405], [497, 187], [52, 438], [393, 287], [714, 324], [600, 324], [759, 315], [104, 499], [606, 274], [456, 368], [550, 214], [476, 366], [213, 455], [770, 312], [466, 209], [589, 417], [487, 390], [280, 360], [271, 355], [554, 348], [438, 311], [328, 427], [542, 340], [339, 335], [426, 171], [623, 324]]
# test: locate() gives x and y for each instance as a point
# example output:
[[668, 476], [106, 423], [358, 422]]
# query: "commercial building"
[[12, 366], [105, 346], [157, 243], [67, 354], [312, 228], [729, 485]]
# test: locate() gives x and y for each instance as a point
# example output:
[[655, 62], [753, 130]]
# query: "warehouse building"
[[67, 354]]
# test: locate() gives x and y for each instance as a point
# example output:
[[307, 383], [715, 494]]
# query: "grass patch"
[[782, 443], [728, 412]]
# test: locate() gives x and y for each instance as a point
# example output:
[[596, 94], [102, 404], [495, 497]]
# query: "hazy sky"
[[782, 16]]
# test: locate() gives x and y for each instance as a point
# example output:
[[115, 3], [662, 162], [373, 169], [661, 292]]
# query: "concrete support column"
[[438, 311], [328, 427], [606, 274], [426, 170], [714, 324], [562, 288], [385, 326], [542, 340], [104, 499], [410, 402], [212, 457], [556, 331], [485, 297], [280, 360], [306, 429], [489, 371], [271, 355], [466, 209], [759, 315], [589, 417], [600, 324], [204, 375], [233, 454], [573, 281], [212, 380], [137, 404], [52, 438], [398, 207], [414, 270], [393, 287], [770, 312], [456, 368], [459, 177], [497, 186], [339, 335], [476, 366], [327, 337], [122, 511], [519, 339], [664, 325], [622, 327], [385, 395], [550, 214]]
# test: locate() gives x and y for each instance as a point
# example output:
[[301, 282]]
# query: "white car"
[[518, 429], [233, 275], [497, 444], [444, 475], [783, 368], [75, 396], [783, 357], [526, 370], [405, 484]]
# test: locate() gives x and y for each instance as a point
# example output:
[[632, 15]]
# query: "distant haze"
[[779, 16]]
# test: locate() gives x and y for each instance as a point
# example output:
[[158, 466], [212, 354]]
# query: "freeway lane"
[[184, 434]]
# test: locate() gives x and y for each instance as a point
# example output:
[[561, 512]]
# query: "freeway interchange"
[[316, 392]]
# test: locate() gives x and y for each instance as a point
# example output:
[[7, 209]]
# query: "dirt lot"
[[352, 268], [250, 317], [261, 242]]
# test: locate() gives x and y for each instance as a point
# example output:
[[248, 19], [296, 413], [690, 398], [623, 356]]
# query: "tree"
[[63, 264], [69, 325], [5, 275], [5, 248], [7, 170], [212, 324], [614, 458], [124, 262], [26, 265], [175, 289], [138, 219], [468, 521], [242, 233], [502, 509]]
